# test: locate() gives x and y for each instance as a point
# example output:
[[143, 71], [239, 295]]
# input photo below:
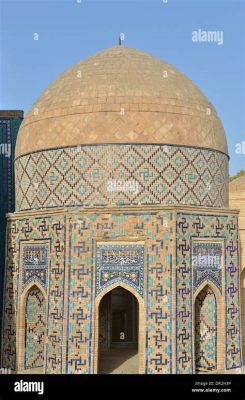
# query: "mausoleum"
[[122, 254]]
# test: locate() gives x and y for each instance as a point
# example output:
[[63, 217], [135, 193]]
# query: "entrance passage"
[[206, 330], [118, 333]]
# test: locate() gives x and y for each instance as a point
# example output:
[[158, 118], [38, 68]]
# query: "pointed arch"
[[35, 326], [31, 334], [141, 328], [208, 328]]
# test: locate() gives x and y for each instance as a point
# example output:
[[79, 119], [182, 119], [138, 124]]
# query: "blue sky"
[[70, 31]]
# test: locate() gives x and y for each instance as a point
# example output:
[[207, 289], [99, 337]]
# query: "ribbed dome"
[[121, 95]]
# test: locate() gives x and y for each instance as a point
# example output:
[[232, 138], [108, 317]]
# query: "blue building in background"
[[10, 121]]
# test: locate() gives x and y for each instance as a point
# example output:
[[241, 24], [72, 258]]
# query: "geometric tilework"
[[42, 229], [155, 230], [159, 295], [158, 229], [80, 311], [189, 227], [35, 264], [207, 263], [121, 175], [206, 330], [35, 328], [120, 263]]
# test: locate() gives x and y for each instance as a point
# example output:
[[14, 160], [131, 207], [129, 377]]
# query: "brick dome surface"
[[121, 95]]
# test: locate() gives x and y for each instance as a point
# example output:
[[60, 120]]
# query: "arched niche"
[[31, 333], [208, 329]]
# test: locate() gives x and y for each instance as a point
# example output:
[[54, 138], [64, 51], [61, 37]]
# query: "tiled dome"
[[121, 95]]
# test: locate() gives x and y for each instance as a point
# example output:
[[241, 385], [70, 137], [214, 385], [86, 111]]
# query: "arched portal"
[[35, 325], [206, 330], [118, 332]]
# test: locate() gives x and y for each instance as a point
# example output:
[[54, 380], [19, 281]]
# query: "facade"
[[122, 242], [10, 121], [237, 200]]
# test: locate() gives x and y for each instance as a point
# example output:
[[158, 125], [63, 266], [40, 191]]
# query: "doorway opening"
[[206, 330], [118, 333]]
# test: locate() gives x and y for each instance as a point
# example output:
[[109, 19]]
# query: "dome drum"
[[121, 174]]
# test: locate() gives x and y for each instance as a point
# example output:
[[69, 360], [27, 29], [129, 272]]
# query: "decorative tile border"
[[35, 263], [207, 262], [117, 263], [121, 175]]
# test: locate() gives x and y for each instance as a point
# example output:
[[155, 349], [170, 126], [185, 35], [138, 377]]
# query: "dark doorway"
[[118, 325], [118, 332]]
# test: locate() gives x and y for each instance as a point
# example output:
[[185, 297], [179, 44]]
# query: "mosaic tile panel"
[[9, 125], [120, 263], [8, 345], [35, 328], [31, 229], [159, 296], [188, 228], [121, 175], [35, 264], [207, 262], [206, 330], [158, 229]]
